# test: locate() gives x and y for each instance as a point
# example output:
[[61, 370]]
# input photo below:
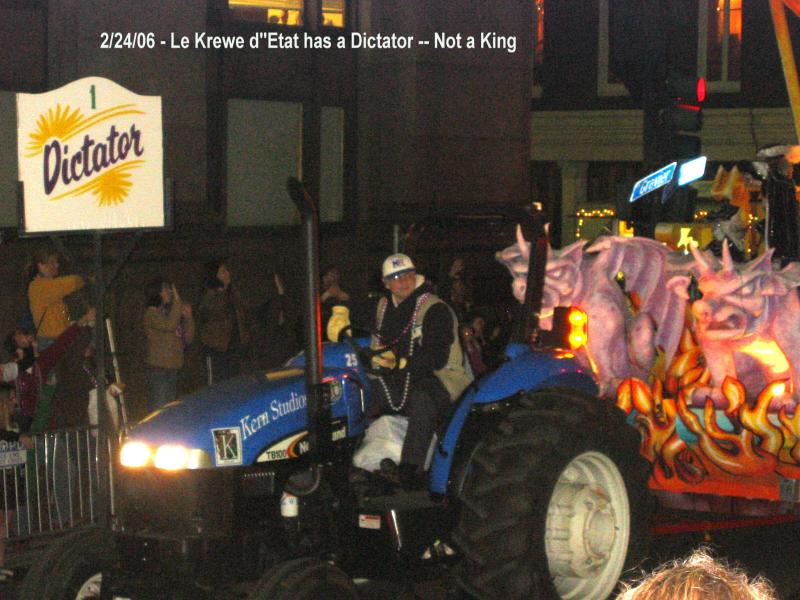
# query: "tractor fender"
[[525, 370]]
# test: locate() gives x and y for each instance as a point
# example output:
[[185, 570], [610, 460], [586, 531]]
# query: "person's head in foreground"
[[698, 577]]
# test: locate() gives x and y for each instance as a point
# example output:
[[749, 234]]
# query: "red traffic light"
[[686, 89], [700, 89]]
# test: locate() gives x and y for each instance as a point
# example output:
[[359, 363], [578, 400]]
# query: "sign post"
[[91, 161]]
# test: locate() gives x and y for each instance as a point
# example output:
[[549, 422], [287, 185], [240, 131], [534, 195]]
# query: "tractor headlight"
[[134, 454], [169, 457]]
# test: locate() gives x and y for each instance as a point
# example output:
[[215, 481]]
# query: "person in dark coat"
[[423, 369], [783, 231], [278, 333], [221, 321]]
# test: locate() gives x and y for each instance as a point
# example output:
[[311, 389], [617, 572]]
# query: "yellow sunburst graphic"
[[111, 187], [64, 122], [54, 124]]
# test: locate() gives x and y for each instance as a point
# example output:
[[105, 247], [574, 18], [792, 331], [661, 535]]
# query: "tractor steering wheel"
[[364, 354]]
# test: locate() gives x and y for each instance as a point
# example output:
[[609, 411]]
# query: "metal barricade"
[[52, 487]]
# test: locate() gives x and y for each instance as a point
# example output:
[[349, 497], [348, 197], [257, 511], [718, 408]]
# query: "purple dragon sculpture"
[[624, 332], [747, 323]]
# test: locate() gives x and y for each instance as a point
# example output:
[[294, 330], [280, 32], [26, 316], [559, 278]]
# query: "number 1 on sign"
[[92, 94]]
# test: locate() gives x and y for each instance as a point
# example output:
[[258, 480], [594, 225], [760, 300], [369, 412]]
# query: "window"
[[277, 12], [331, 192], [718, 47], [265, 146], [538, 45], [8, 160], [720, 43], [608, 84], [333, 13], [292, 13]]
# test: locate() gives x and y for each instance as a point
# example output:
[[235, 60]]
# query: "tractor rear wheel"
[[555, 502]]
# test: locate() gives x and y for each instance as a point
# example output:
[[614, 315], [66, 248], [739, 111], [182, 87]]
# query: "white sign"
[[90, 158], [12, 454], [692, 170]]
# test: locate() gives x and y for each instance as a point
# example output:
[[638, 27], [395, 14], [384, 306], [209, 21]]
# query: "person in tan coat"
[[169, 327]]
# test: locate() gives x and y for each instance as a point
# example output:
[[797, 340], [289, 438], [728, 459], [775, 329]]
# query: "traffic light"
[[683, 115]]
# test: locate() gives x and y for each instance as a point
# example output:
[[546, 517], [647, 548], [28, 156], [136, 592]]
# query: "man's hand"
[[384, 360], [88, 317], [334, 291]]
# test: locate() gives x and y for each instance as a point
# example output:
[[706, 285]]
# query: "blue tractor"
[[244, 489]]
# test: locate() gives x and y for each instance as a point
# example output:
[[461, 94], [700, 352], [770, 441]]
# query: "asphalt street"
[[767, 551]]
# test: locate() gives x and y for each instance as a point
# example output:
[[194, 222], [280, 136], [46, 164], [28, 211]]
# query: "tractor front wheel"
[[305, 579], [71, 568], [555, 502]]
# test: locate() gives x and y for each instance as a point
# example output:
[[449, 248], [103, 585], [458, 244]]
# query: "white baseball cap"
[[396, 265]]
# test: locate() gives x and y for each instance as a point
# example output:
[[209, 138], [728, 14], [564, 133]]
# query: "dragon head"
[[734, 297], [562, 278], [516, 258]]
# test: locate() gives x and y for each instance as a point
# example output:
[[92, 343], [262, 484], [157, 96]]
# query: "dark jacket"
[[221, 320]]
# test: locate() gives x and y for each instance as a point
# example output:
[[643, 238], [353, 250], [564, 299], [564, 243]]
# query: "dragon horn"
[[524, 248], [700, 260], [727, 261]]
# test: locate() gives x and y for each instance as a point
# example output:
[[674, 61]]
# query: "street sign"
[[653, 181], [691, 170]]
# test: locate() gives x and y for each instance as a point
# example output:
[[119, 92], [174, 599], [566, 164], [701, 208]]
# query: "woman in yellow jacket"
[[46, 293]]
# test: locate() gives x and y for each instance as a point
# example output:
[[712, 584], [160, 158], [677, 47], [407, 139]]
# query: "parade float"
[[702, 354]]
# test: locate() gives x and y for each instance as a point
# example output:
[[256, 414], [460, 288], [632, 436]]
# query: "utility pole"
[[644, 30]]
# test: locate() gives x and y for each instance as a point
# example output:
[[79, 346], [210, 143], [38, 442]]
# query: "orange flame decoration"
[[752, 446]]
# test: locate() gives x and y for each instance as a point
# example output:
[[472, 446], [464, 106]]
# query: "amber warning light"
[[570, 329], [577, 328]]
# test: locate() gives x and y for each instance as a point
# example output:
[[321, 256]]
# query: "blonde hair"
[[699, 576]]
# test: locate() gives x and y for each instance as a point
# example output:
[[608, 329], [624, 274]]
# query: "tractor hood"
[[244, 420]]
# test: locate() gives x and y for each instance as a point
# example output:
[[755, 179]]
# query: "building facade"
[[380, 136], [586, 131]]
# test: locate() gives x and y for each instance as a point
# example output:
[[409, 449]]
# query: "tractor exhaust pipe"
[[526, 324], [318, 404]]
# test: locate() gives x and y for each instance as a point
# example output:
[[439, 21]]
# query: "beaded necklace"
[[377, 339]]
